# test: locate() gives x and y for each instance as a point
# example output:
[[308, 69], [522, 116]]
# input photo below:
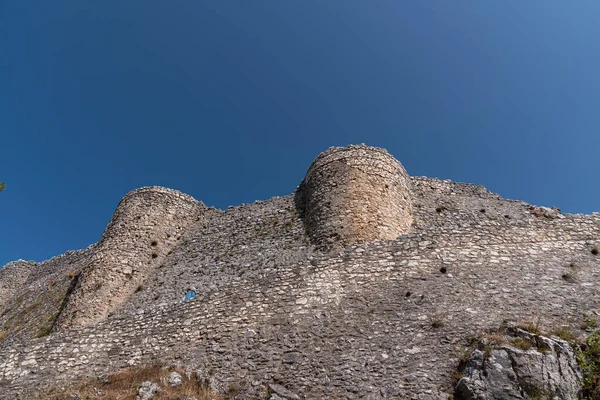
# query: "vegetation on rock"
[[588, 359]]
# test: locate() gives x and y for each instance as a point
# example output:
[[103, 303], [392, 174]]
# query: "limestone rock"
[[547, 370], [283, 392], [174, 379], [147, 390]]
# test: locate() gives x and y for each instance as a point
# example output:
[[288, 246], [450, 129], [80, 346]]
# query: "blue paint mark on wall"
[[189, 295]]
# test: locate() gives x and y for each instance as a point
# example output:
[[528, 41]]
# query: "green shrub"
[[588, 359], [589, 321]]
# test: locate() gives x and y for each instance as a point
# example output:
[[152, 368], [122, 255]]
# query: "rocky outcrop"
[[521, 366]]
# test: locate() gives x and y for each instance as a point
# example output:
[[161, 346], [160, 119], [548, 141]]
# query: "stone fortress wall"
[[380, 319], [37, 293], [145, 226], [12, 278], [355, 194]]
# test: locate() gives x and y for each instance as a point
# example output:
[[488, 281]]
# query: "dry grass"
[[532, 326], [522, 343], [123, 385], [565, 333]]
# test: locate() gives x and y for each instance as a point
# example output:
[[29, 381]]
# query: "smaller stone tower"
[[144, 228], [12, 278], [355, 194]]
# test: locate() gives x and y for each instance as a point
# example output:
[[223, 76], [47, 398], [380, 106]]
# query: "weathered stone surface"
[[283, 392], [12, 278], [379, 319], [355, 194], [37, 292], [145, 227], [174, 379], [147, 390], [548, 370]]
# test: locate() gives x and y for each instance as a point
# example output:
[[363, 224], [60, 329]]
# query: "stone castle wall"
[[36, 293], [355, 194], [145, 226], [379, 319], [355, 325], [12, 278]]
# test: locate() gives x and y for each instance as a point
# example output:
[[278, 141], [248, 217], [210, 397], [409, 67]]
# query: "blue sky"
[[230, 101]]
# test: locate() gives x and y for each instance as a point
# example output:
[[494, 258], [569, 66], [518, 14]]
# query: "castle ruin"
[[365, 283]]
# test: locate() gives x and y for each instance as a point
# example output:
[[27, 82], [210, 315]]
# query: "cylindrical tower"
[[143, 229], [355, 194], [12, 278]]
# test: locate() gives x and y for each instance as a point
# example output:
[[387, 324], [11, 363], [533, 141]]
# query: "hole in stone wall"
[[154, 243], [482, 210], [407, 294], [440, 209], [595, 251], [507, 216], [154, 255], [443, 270]]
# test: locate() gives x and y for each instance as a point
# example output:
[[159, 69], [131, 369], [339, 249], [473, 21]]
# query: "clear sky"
[[230, 101]]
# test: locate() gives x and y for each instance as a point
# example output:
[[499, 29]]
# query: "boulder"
[[147, 390], [509, 370], [174, 379]]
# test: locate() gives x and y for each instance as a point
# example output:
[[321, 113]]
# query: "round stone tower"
[[12, 278], [144, 228], [355, 194]]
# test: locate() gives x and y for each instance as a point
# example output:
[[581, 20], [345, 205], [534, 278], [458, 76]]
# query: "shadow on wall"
[[354, 194], [146, 225]]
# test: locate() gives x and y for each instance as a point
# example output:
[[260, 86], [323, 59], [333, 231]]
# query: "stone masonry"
[[353, 195], [279, 305], [12, 277], [145, 227]]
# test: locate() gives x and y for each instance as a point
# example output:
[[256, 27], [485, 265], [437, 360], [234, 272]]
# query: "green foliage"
[[2, 186], [536, 393], [589, 322], [588, 359]]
